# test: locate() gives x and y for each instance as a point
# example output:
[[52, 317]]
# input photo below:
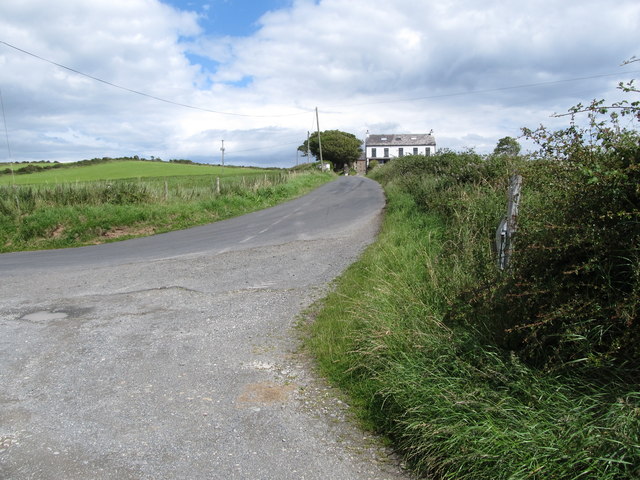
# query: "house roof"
[[408, 139]]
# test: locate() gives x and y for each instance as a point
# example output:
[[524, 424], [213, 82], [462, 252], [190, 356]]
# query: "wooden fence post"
[[509, 224]]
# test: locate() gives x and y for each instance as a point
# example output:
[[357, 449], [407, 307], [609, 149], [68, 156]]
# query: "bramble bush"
[[572, 295]]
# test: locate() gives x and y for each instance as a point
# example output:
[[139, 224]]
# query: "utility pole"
[[366, 159], [6, 132], [222, 150], [319, 140]]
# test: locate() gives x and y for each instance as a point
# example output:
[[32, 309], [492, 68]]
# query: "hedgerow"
[[572, 296]]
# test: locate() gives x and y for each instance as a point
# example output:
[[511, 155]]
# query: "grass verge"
[[454, 406]]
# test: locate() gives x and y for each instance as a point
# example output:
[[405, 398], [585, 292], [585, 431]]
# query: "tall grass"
[[398, 336], [72, 214]]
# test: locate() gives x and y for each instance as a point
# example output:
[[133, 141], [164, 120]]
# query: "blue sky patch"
[[243, 82], [208, 65], [236, 18]]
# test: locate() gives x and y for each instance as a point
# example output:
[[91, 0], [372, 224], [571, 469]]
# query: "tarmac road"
[[175, 356]]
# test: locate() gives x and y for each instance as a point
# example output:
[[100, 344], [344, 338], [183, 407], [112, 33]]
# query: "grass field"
[[125, 199], [120, 169]]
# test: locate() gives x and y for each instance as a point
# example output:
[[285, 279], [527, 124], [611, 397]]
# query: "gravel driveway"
[[184, 366]]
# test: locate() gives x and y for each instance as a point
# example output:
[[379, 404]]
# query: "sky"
[[171, 79]]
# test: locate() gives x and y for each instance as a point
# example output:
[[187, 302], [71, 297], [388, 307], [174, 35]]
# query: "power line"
[[490, 90], [397, 100], [305, 112], [266, 147], [137, 92]]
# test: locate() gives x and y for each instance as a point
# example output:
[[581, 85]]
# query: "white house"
[[383, 148]]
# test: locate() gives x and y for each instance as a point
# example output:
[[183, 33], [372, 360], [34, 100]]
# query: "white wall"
[[394, 151]]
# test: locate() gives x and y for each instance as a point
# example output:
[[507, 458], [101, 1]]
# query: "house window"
[[415, 150], [373, 153], [401, 152], [386, 153], [427, 151]]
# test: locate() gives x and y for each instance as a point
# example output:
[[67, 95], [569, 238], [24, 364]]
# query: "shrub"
[[572, 296]]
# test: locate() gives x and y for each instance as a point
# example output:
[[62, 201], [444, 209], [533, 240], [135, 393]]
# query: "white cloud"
[[354, 60]]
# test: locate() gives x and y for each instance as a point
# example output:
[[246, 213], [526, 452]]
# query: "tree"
[[507, 146], [339, 148]]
